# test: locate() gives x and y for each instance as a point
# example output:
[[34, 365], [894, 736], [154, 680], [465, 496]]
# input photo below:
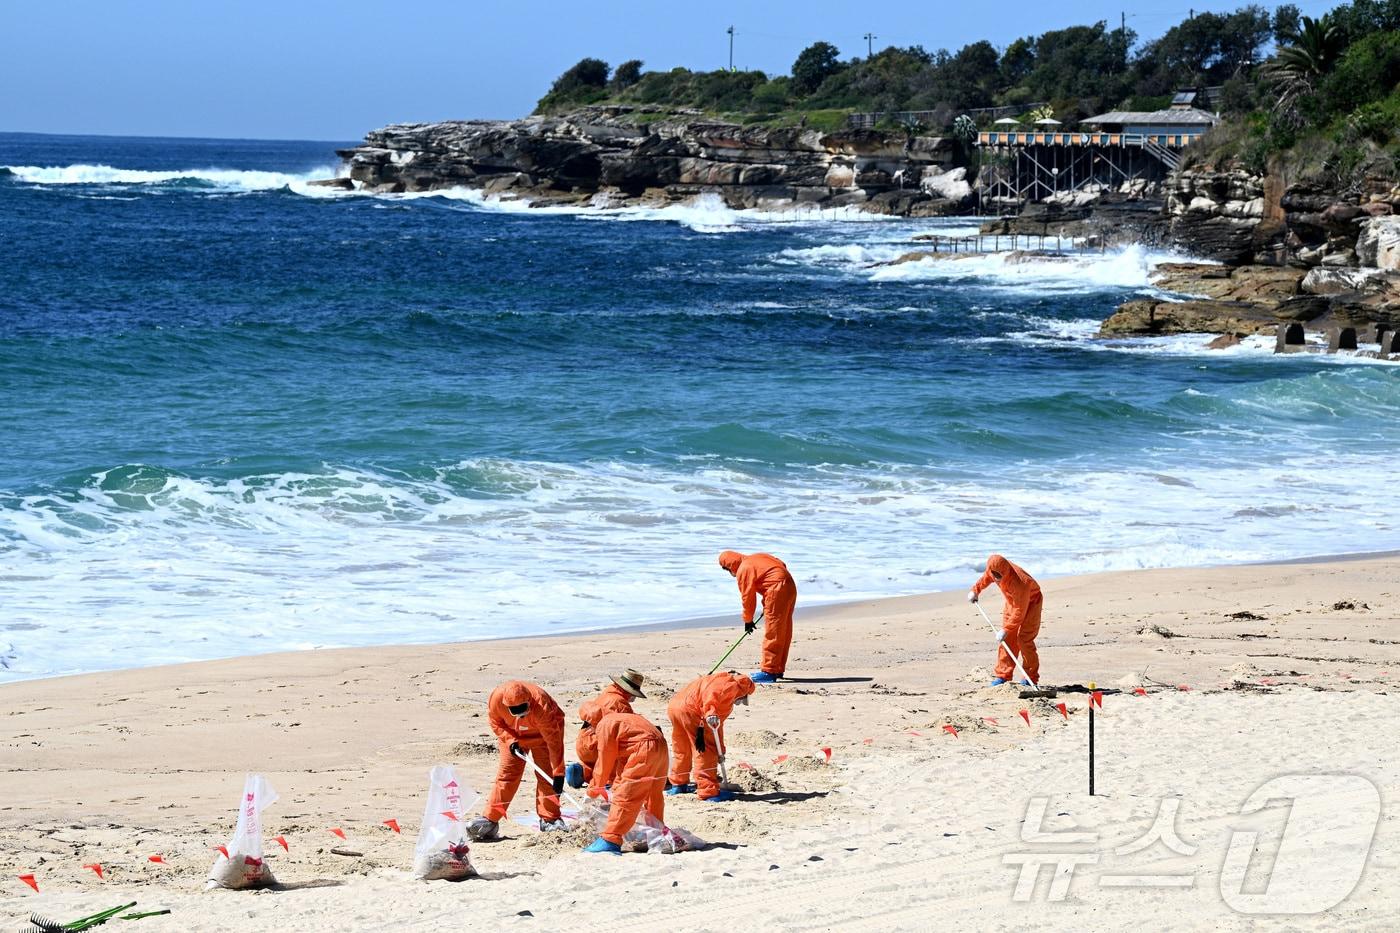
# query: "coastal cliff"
[[616, 156]]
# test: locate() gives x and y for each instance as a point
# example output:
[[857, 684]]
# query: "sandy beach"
[[936, 793]]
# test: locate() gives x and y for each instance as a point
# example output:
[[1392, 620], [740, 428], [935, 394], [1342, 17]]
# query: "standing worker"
[[632, 766], [697, 716], [764, 575], [615, 698], [1020, 617], [527, 721]]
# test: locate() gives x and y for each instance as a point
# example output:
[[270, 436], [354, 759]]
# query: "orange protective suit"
[[632, 759], [613, 699], [1020, 616], [764, 575], [540, 733], [710, 695]]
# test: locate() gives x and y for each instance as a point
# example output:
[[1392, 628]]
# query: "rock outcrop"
[[613, 156]]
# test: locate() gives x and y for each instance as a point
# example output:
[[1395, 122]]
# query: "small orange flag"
[[780, 759], [96, 869], [1096, 699], [29, 880], [223, 850], [1140, 691], [1026, 715], [393, 824], [827, 753], [282, 841], [453, 817], [951, 730], [158, 859], [991, 719], [1182, 687], [336, 830], [919, 734], [1063, 711]]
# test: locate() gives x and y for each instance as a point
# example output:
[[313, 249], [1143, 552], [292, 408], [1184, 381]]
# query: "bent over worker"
[[526, 721], [697, 716], [615, 698], [1020, 617], [632, 766], [764, 575]]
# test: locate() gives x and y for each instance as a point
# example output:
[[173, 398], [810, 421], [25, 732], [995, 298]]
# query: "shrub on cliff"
[[584, 83]]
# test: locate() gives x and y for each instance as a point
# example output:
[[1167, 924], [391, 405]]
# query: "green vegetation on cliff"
[[1322, 94]]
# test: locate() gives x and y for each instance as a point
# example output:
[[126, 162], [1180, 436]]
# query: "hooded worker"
[[632, 767], [1020, 617], [615, 698], [697, 716], [764, 575], [526, 721]]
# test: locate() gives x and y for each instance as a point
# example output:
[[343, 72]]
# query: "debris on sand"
[[1161, 631]]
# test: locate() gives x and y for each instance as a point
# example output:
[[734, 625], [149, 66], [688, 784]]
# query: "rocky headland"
[[621, 156]]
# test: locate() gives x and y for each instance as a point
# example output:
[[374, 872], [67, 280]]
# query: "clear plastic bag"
[[441, 852], [652, 836], [243, 866]]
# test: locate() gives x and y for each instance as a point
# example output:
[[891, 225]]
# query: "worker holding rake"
[[1020, 618], [697, 716], [764, 575]]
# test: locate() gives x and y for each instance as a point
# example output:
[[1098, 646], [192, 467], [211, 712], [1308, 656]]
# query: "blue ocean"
[[245, 414]]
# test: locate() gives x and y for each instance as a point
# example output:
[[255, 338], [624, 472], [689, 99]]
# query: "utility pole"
[[731, 47], [1123, 36], [870, 38]]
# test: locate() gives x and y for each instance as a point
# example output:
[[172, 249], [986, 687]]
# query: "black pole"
[[1091, 745]]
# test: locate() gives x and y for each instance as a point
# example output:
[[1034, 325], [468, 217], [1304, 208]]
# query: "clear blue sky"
[[311, 69]]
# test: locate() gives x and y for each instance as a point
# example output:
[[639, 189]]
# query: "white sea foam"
[[1129, 267], [188, 567], [236, 180]]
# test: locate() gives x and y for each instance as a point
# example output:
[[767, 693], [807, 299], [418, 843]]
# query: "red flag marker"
[[1140, 691], [745, 765], [866, 741], [951, 730], [96, 869], [336, 830], [158, 859], [1182, 687], [1063, 711], [393, 824], [780, 759], [1096, 699], [453, 817], [1026, 715], [29, 880], [919, 734], [827, 753], [282, 841], [991, 719], [223, 850]]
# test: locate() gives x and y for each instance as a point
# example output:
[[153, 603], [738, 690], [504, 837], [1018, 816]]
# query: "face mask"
[[519, 711]]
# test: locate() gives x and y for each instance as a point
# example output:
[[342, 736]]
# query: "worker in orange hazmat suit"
[[1020, 617], [526, 720], [697, 716], [764, 575], [632, 768], [615, 698]]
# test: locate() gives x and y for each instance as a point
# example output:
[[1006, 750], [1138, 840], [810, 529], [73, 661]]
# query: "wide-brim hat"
[[630, 681]]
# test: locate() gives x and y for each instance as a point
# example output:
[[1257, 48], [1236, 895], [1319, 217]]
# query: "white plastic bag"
[[243, 867], [441, 853]]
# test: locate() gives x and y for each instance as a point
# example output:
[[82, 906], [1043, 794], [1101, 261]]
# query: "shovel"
[[719, 750], [1035, 689]]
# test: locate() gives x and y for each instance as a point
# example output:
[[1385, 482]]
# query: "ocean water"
[[241, 414]]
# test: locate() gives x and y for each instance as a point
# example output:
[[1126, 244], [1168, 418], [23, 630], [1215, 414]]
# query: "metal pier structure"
[[1032, 166]]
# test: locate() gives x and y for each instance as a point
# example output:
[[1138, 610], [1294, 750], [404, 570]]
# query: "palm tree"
[[1296, 69]]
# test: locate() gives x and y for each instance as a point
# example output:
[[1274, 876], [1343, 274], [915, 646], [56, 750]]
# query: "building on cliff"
[[1127, 151]]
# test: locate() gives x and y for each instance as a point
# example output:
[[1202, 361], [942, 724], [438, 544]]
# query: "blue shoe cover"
[[1025, 683], [721, 797], [602, 845], [763, 677], [675, 789], [997, 681], [573, 775]]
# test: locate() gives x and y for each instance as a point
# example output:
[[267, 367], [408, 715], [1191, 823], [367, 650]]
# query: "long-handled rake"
[[1036, 689]]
